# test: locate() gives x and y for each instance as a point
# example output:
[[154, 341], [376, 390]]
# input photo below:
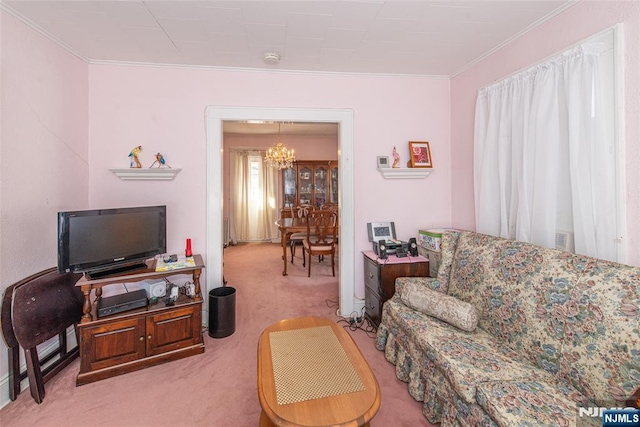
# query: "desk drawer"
[[371, 274], [372, 305]]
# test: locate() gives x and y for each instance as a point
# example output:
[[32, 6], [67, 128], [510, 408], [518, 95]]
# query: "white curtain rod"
[[553, 55]]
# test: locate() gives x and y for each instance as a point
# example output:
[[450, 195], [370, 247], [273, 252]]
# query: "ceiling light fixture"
[[271, 58], [279, 156]]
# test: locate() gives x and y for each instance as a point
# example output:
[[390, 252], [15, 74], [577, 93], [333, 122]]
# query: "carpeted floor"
[[219, 387]]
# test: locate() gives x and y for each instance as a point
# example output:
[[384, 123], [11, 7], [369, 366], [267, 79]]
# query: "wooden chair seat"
[[35, 310]]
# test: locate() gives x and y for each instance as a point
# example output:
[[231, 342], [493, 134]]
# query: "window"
[[547, 166]]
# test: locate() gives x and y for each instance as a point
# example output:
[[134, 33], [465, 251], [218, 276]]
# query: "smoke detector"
[[271, 58]]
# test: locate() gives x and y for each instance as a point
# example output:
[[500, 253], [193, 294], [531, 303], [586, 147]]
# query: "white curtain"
[[544, 153], [253, 194]]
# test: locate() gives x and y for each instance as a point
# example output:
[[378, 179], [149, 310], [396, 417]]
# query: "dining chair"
[[321, 237], [332, 207], [302, 212]]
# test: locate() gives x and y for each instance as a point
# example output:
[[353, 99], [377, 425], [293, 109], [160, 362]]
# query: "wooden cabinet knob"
[[370, 275], [141, 338], [149, 337]]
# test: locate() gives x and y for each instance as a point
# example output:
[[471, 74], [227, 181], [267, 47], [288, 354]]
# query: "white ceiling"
[[428, 38]]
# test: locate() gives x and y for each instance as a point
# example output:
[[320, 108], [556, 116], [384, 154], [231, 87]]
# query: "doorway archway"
[[215, 116]]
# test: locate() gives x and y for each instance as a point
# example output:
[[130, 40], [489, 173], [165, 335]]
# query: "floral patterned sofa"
[[555, 331]]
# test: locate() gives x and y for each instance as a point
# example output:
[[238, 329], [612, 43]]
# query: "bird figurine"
[[396, 158], [135, 163], [160, 161]]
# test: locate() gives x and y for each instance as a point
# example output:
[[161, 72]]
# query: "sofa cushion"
[[447, 250], [468, 359], [458, 313], [533, 403], [465, 358], [532, 288], [471, 265], [601, 349], [426, 282]]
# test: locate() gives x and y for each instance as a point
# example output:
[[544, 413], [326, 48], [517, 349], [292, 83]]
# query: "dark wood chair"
[[35, 310], [321, 237], [301, 211]]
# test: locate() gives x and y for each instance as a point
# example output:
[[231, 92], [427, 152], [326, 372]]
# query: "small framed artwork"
[[383, 162], [420, 154]]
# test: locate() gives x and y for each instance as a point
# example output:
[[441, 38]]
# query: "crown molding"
[[29, 23], [517, 35], [262, 70]]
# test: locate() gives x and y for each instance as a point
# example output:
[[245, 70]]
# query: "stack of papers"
[[182, 262]]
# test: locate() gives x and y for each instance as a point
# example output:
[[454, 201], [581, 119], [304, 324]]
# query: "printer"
[[385, 232]]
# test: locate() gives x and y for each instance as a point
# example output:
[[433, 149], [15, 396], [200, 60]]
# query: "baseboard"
[[49, 348]]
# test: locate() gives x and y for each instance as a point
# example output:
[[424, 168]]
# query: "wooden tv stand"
[[139, 338]]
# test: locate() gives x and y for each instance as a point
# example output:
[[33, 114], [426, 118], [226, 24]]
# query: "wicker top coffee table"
[[311, 373]]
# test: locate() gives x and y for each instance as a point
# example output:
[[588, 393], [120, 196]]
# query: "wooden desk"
[[380, 279], [350, 409], [138, 338]]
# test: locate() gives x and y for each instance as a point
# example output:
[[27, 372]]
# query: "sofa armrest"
[[427, 282]]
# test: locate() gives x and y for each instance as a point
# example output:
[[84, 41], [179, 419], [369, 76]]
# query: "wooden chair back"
[[322, 229], [35, 310]]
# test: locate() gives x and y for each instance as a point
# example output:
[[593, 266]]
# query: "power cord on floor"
[[360, 322], [331, 303]]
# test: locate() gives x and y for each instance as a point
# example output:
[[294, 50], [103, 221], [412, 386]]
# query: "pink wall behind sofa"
[[579, 22], [163, 109]]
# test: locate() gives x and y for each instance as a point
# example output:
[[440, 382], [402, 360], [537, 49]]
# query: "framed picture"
[[383, 162], [420, 154]]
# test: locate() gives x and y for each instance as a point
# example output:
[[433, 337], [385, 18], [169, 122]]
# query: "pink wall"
[[44, 151], [305, 148], [580, 21], [162, 109]]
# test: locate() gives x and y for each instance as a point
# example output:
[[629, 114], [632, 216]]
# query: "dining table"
[[287, 227]]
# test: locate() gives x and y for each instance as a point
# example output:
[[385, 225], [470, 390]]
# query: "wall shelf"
[[405, 173], [159, 174]]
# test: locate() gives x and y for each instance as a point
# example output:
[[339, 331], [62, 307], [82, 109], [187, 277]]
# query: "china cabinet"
[[312, 182]]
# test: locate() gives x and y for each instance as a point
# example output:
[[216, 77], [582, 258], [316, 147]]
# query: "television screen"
[[106, 239]]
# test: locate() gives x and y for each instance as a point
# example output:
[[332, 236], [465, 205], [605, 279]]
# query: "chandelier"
[[279, 156]]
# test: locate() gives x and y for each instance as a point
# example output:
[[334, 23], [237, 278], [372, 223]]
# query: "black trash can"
[[222, 312]]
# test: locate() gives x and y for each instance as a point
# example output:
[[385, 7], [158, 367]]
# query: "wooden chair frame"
[[27, 326], [321, 237]]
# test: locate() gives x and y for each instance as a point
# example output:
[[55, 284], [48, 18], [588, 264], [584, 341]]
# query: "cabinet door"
[[173, 330], [305, 185], [289, 187], [321, 187], [111, 344], [333, 180]]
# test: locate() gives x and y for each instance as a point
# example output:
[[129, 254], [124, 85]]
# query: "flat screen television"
[[102, 242]]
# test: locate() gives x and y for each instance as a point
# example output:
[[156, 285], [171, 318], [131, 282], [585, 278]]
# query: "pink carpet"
[[219, 387]]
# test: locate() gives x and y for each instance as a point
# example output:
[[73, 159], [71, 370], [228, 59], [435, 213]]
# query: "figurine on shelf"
[[160, 161], [135, 163], [396, 158]]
